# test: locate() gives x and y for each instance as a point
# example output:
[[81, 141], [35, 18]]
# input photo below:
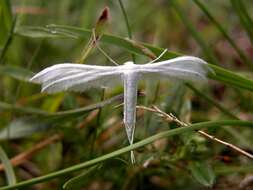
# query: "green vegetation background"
[[85, 126]]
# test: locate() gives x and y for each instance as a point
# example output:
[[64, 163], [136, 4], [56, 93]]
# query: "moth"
[[78, 77]]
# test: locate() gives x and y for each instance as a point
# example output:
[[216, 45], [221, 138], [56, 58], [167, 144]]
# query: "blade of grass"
[[224, 110], [8, 167], [224, 33], [16, 72], [42, 32], [202, 172], [134, 146], [5, 20], [78, 111], [227, 169], [8, 41], [80, 180], [230, 78], [20, 109], [212, 101], [244, 17], [23, 127], [195, 34], [44, 120], [222, 75], [127, 24]]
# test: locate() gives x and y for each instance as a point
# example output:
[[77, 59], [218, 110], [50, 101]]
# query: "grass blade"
[[230, 78], [222, 75], [74, 112], [224, 33], [16, 72], [213, 102], [134, 146], [8, 167], [127, 24], [5, 20], [244, 17], [195, 34], [79, 181], [22, 127], [203, 173], [80, 33], [8, 40]]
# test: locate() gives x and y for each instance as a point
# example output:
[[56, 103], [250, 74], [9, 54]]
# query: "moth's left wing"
[[76, 77], [186, 68]]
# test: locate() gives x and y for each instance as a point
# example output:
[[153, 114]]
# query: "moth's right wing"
[[184, 68], [77, 77]]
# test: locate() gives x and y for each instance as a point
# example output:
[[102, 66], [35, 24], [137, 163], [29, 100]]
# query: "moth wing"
[[76, 77], [184, 68], [103, 79]]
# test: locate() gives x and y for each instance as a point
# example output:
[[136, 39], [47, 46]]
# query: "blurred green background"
[[220, 32]]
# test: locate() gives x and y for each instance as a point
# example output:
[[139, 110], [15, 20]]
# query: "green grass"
[[34, 35]]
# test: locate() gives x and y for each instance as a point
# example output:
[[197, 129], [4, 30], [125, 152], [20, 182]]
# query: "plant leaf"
[[72, 112], [79, 181], [10, 175], [220, 74], [194, 32], [16, 72], [230, 78], [98, 31], [76, 32], [244, 17], [134, 146], [203, 173], [5, 20], [223, 32], [22, 127], [41, 32]]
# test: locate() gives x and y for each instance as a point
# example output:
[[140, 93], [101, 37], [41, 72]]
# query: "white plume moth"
[[77, 77]]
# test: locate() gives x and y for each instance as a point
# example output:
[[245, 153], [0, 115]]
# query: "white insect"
[[77, 77]]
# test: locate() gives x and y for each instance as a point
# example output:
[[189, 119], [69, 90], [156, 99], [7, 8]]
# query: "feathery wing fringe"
[[76, 77]]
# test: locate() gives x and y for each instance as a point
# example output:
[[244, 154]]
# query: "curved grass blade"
[[224, 33], [222, 75], [129, 31], [228, 169], [80, 33], [79, 181], [5, 20], [10, 175], [212, 101], [42, 32], [203, 173], [134, 146], [244, 17], [8, 40], [78, 111], [16, 72], [230, 78], [195, 34], [23, 127], [21, 109]]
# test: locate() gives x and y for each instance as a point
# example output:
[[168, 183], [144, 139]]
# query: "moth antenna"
[[159, 57], [106, 55], [101, 50]]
